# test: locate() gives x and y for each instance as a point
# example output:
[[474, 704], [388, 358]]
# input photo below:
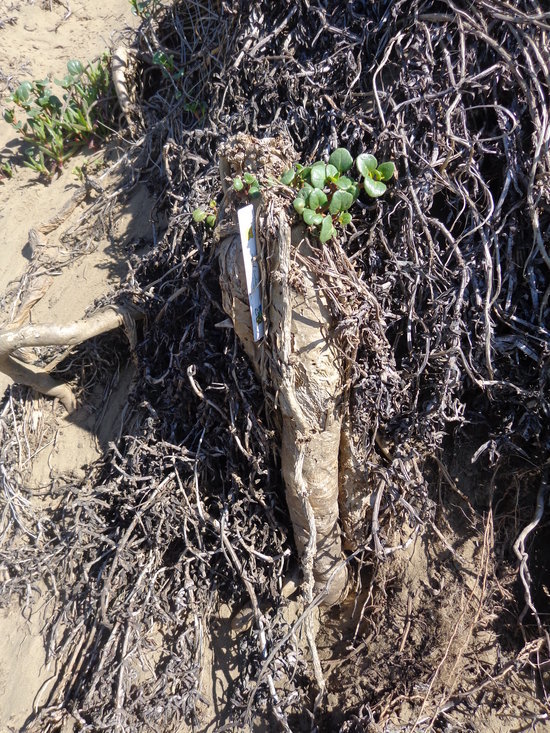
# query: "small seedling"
[[325, 193], [56, 127], [91, 166], [247, 185], [6, 171], [208, 217], [165, 62]]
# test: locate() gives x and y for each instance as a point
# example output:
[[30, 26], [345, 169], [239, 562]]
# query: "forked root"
[[52, 334]]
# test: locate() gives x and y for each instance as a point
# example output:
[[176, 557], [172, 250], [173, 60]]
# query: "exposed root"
[[523, 557], [51, 334], [119, 74]]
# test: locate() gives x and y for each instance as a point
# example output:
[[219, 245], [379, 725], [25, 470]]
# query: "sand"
[[36, 41]]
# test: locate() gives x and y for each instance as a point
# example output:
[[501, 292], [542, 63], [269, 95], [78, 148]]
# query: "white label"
[[247, 230]]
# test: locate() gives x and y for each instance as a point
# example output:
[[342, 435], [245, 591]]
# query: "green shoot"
[[208, 217], [325, 195], [247, 185], [145, 8]]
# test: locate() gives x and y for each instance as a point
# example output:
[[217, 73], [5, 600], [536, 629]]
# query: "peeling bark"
[[299, 365]]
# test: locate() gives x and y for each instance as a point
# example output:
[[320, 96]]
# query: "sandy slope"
[[37, 43], [36, 40]]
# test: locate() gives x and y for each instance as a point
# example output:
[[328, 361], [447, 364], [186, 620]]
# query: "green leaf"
[[75, 67], [341, 201], [288, 177], [317, 198], [211, 220], [161, 59], [238, 184], [374, 189], [23, 92], [303, 172], [9, 116], [345, 183], [199, 215], [55, 102], [355, 190], [386, 170], [254, 190], [299, 204], [312, 218], [366, 163], [318, 175], [332, 172], [44, 100], [345, 218], [327, 229], [341, 159], [249, 179]]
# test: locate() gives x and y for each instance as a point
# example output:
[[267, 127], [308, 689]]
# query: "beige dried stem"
[[121, 70], [52, 334], [298, 363]]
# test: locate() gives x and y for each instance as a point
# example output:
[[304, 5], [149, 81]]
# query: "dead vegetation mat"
[[447, 622]]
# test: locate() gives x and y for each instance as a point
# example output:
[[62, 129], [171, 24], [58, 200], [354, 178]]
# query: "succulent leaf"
[[341, 159], [366, 163]]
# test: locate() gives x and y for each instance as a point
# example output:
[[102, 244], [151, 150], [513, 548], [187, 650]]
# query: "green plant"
[[166, 63], [247, 185], [91, 166], [6, 171], [144, 8], [56, 128], [208, 217], [325, 194]]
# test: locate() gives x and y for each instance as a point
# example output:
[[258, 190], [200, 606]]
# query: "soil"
[[443, 607]]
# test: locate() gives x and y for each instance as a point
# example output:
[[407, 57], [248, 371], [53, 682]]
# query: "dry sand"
[[36, 40]]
